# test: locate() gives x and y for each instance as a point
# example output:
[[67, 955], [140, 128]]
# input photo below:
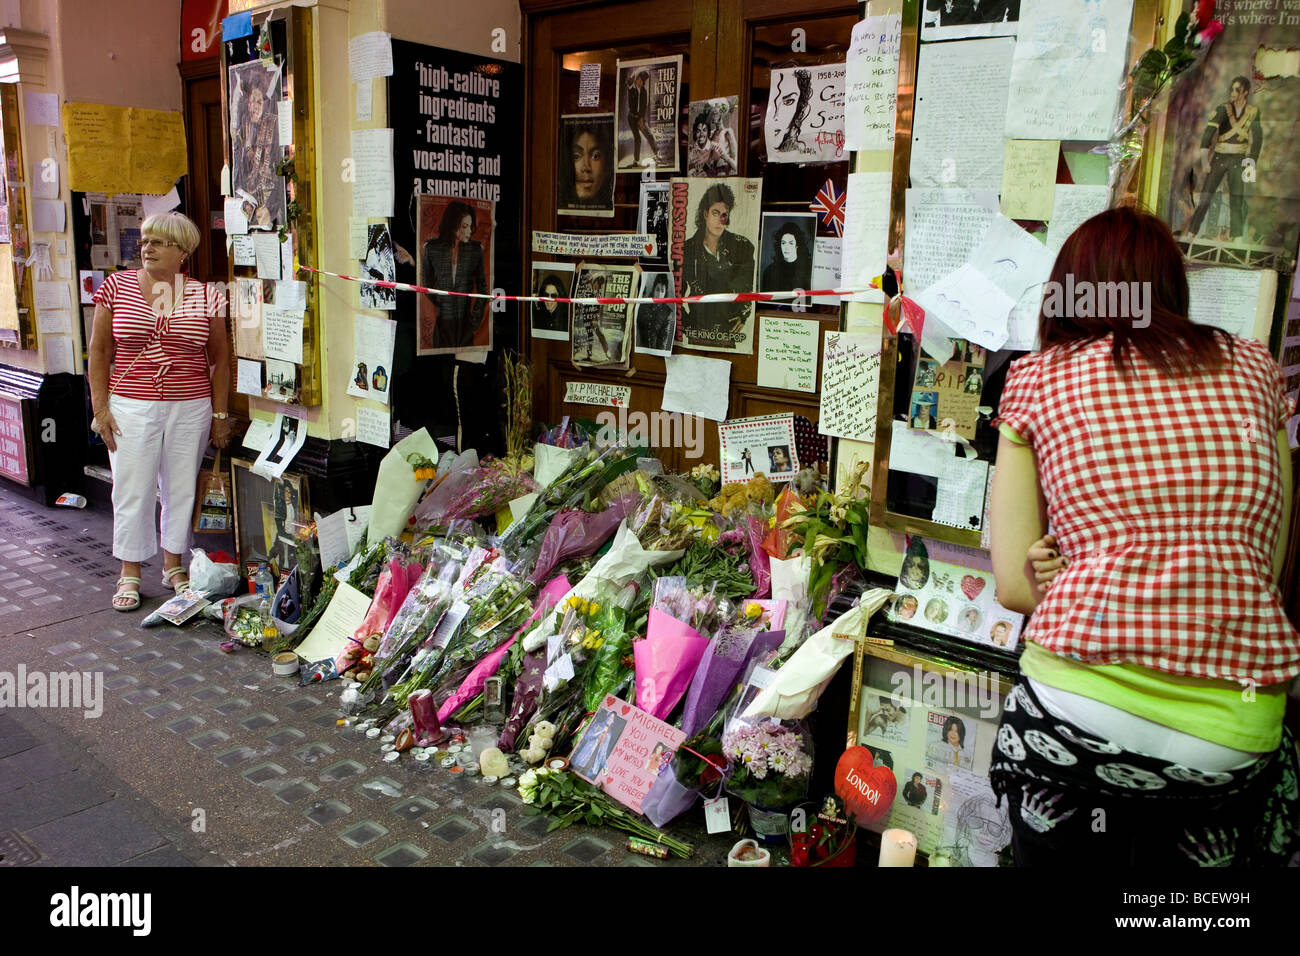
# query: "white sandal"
[[131, 595], [171, 574]]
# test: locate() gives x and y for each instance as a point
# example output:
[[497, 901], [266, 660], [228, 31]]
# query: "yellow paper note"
[[1029, 178], [115, 149]]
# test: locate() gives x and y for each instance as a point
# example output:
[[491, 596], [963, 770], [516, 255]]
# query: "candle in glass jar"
[[897, 848]]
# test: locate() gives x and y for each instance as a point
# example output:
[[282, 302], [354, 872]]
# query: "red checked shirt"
[[1165, 494], [161, 358]]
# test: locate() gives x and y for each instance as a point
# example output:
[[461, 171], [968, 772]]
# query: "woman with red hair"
[[1157, 453]]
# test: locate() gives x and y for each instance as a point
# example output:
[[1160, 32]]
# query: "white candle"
[[897, 848]]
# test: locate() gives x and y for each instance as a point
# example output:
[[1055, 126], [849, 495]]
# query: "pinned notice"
[[613, 245], [850, 385], [787, 353], [114, 149], [597, 393]]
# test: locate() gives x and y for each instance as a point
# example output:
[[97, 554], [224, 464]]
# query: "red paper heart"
[[610, 781], [649, 249], [868, 791], [626, 708], [609, 701], [971, 586]]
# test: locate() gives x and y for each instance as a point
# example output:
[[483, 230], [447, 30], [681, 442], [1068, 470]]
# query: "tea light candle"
[[897, 848]]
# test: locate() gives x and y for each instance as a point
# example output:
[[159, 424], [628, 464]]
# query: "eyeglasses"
[[145, 243]]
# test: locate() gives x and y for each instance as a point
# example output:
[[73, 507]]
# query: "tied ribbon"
[[721, 768]]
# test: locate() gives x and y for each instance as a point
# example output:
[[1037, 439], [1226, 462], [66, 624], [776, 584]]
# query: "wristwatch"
[[220, 416]]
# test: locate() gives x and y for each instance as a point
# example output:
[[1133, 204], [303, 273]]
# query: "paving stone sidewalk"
[[201, 758]]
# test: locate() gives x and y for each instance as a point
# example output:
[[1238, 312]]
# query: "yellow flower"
[[593, 608], [753, 610]]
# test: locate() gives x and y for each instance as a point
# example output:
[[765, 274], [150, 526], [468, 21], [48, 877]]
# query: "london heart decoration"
[[867, 790]]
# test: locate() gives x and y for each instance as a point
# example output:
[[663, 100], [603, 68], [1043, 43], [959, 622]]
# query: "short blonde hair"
[[173, 227]]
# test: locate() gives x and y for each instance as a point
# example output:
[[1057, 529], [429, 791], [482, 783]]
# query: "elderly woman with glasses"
[[159, 368]]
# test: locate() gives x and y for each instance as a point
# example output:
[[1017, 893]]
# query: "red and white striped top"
[[1166, 495], [160, 358]]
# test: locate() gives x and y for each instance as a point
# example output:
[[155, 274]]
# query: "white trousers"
[[158, 454]]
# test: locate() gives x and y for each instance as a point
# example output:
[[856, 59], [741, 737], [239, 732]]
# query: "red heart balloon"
[[868, 791]]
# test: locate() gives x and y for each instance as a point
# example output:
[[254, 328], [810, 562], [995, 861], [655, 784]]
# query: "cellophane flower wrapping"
[[575, 534], [755, 531], [771, 762], [473, 683], [394, 584], [455, 476], [722, 664], [667, 658], [527, 690], [608, 673], [779, 541]]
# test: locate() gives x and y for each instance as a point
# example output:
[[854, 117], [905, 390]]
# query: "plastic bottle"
[[269, 631]]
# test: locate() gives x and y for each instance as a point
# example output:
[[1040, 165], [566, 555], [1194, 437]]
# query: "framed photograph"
[[455, 237], [586, 165], [269, 516], [934, 725]]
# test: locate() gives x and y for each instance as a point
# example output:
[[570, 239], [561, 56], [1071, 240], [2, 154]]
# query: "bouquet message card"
[[623, 750]]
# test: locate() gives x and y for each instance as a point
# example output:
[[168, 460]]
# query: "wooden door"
[[727, 48]]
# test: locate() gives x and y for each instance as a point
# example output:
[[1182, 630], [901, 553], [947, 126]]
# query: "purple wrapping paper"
[[760, 565], [527, 689], [724, 662], [574, 534], [669, 653], [667, 798]]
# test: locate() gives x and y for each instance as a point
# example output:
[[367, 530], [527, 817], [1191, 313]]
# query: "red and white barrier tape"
[[615, 300]]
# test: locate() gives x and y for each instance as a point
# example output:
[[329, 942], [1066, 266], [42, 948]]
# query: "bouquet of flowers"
[[771, 763], [414, 622], [569, 800], [666, 660], [494, 484]]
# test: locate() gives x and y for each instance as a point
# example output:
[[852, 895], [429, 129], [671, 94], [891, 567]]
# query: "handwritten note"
[[243, 250], [365, 98], [266, 255], [960, 501], [55, 322], [59, 355], [358, 237], [370, 55], [1066, 69], [614, 245], [53, 295], [1029, 178], [642, 746], [697, 386], [249, 380], [943, 227], [850, 385], [961, 101], [597, 393], [787, 353], [871, 82], [1073, 206], [49, 215], [827, 263], [1239, 301], [866, 228], [1011, 258], [589, 85], [285, 122], [372, 189], [374, 426], [260, 431], [969, 306], [282, 334], [42, 109], [234, 218], [117, 149], [291, 294]]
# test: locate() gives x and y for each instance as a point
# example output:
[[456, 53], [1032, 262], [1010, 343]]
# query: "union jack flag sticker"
[[830, 203]]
